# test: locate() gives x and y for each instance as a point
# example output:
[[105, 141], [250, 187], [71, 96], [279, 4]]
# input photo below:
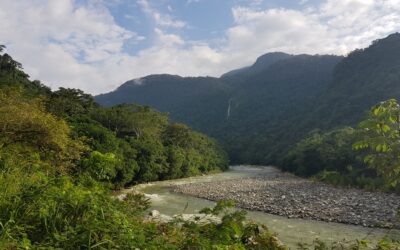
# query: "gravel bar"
[[287, 195]]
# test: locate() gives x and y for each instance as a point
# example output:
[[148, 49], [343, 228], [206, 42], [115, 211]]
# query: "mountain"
[[361, 80], [270, 101], [260, 111], [187, 99], [262, 63]]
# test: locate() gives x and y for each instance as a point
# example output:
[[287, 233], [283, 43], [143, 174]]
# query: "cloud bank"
[[70, 44]]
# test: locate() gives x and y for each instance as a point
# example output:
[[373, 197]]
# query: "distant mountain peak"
[[149, 78], [137, 81], [269, 58], [260, 64]]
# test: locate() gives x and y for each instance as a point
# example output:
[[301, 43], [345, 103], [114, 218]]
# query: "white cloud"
[[81, 46], [334, 27], [168, 39], [159, 18], [63, 43]]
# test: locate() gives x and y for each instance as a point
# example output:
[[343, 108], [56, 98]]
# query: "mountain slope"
[[259, 112], [271, 100], [262, 63], [364, 78], [187, 99]]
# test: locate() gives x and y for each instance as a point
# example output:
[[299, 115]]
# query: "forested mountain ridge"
[[236, 109], [186, 99], [271, 101], [362, 79], [261, 111], [262, 63]]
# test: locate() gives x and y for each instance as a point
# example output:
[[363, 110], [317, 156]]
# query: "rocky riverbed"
[[287, 195]]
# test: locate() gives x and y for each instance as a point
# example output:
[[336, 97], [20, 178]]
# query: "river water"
[[290, 231]]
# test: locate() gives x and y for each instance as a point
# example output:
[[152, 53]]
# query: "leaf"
[[368, 159], [363, 243], [385, 128], [375, 111]]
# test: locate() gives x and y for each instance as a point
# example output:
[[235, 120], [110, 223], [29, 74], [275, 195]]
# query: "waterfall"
[[228, 114]]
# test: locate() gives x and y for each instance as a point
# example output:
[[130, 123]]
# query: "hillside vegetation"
[[61, 154], [299, 112]]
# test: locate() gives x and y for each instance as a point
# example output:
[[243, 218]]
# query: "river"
[[290, 231]]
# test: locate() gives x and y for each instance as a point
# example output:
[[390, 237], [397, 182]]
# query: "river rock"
[[154, 213], [198, 218], [290, 196]]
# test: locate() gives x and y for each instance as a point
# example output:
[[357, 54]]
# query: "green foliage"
[[101, 166], [67, 103], [27, 129], [387, 243], [223, 206], [374, 164], [12, 75], [232, 233], [362, 178], [41, 211], [60, 153], [329, 157], [380, 136], [144, 145], [330, 151], [132, 120]]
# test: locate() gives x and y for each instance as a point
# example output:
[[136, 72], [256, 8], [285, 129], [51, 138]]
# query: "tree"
[[28, 132], [380, 136], [132, 120], [331, 151], [69, 102], [11, 68], [101, 166], [178, 135]]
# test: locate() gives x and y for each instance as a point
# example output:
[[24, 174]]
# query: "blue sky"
[[205, 20], [96, 45]]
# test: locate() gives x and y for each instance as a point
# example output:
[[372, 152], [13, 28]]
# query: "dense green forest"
[[366, 157], [138, 143], [293, 111], [61, 155]]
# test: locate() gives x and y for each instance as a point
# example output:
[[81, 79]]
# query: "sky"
[[96, 45]]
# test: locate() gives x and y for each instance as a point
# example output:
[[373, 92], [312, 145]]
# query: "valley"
[[179, 197], [82, 172]]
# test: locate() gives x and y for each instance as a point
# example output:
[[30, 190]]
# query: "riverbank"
[[290, 230], [293, 197]]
